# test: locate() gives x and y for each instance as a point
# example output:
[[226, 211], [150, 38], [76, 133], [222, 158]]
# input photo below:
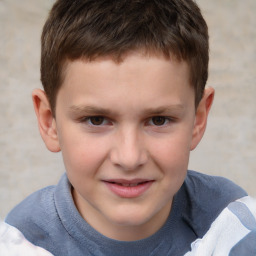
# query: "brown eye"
[[96, 120], [158, 120]]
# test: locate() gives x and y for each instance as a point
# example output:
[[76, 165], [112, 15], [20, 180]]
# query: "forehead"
[[127, 63], [120, 59], [152, 78]]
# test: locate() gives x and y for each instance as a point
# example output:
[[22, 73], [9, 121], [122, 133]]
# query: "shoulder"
[[233, 232], [43, 216], [30, 205], [206, 197], [213, 187], [34, 213], [37, 217]]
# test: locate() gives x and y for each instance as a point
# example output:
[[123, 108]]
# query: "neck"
[[129, 230]]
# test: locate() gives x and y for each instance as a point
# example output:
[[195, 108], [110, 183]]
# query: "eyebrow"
[[95, 110], [90, 110], [165, 109]]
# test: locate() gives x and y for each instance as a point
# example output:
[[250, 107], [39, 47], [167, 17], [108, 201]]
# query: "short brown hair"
[[77, 29]]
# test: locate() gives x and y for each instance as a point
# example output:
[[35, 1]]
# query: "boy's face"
[[125, 131]]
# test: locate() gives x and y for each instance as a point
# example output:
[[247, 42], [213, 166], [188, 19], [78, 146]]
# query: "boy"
[[125, 102]]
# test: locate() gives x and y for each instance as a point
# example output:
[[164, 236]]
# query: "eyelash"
[[106, 121], [90, 123], [164, 119]]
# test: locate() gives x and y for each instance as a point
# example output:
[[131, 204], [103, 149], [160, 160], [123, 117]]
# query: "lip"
[[128, 188]]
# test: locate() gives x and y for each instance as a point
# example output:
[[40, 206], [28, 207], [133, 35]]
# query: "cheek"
[[172, 156], [173, 151], [83, 156]]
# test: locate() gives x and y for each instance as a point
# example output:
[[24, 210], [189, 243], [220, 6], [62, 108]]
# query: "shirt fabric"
[[13, 243], [48, 218], [233, 233]]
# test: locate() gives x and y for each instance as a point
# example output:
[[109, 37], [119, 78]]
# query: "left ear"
[[202, 112]]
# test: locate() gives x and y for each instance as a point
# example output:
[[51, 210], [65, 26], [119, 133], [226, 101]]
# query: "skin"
[[130, 120]]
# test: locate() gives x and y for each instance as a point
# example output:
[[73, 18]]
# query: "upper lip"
[[125, 181]]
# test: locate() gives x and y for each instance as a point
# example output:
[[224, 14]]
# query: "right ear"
[[46, 120]]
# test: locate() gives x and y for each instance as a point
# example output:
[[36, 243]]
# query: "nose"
[[128, 152]]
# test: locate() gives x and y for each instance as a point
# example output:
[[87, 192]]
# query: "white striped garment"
[[13, 243], [233, 233]]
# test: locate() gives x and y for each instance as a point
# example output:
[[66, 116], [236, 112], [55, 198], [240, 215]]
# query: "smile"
[[128, 189], [128, 185]]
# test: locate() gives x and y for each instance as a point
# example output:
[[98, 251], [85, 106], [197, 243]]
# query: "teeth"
[[130, 185], [134, 185], [125, 185]]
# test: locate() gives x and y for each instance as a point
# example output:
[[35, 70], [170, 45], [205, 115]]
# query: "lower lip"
[[129, 192]]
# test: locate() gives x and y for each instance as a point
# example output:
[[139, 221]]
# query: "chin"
[[129, 217]]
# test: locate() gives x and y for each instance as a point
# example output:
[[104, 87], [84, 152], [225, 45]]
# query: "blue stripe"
[[243, 214]]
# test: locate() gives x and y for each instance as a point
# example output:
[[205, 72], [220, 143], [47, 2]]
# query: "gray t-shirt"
[[48, 218]]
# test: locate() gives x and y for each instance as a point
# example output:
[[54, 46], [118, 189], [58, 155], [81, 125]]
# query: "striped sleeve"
[[233, 233]]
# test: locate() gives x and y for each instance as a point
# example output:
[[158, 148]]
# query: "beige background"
[[229, 146]]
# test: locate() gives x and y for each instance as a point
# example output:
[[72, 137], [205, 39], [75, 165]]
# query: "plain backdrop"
[[228, 148]]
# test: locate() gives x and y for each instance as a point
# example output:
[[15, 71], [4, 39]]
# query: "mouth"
[[128, 183], [128, 188]]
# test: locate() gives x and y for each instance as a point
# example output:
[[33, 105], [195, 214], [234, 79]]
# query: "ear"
[[202, 112], [46, 120]]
